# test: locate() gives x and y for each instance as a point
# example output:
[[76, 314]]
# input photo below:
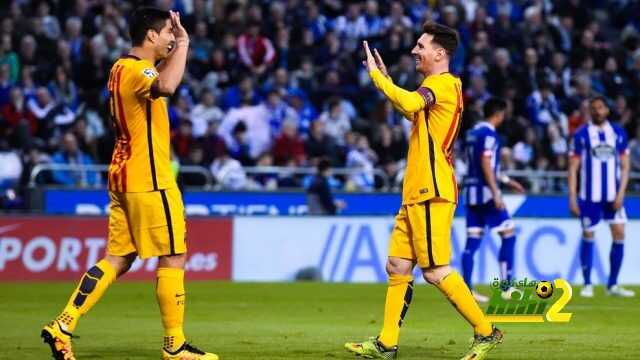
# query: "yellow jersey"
[[141, 156], [435, 110]]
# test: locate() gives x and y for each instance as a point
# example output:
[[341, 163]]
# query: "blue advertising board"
[[205, 203]]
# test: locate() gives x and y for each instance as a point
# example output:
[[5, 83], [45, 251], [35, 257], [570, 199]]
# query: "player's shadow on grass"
[[115, 353], [430, 352]]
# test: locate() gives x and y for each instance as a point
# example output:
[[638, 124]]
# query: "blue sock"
[[473, 243], [586, 259], [615, 258], [506, 255]]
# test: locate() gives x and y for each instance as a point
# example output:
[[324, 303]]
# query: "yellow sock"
[[454, 287], [90, 289], [171, 298], [399, 294]]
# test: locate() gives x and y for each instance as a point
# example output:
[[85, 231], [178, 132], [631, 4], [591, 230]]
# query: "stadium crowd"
[[281, 82]]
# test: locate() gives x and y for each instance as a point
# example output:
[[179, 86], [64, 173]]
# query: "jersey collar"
[[605, 124], [486, 124]]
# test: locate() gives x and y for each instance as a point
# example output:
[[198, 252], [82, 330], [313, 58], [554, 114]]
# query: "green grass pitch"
[[303, 321]]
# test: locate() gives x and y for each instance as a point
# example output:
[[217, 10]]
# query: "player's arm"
[[172, 68], [576, 148], [574, 166], [407, 102], [490, 179], [513, 184], [625, 167]]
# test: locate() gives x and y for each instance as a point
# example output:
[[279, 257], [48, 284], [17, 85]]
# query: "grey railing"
[[540, 181], [101, 168]]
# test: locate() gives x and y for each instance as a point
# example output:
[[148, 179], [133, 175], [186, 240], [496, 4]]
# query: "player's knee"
[[617, 233], [475, 234], [128, 261], [507, 232], [398, 268], [172, 261], [587, 235], [121, 264], [433, 275]]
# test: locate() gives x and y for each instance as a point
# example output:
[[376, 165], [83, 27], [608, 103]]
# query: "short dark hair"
[[443, 35], [493, 106], [144, 19], [323, 165], [600, 98]]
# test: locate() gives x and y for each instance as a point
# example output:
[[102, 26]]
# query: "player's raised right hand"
[[178, 30], [370, 61]]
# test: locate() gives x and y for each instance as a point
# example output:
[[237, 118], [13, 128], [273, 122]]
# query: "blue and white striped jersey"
[[599, 149], [481, 140]]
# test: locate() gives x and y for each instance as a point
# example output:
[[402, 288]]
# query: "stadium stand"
[[291, 90]]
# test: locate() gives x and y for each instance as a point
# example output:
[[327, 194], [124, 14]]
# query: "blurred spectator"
[[558, 75], [524, 151], [204, 113], [362, 158], [9, 57], [256, 125], [244, 91], [196, 158], [305, 112], [289, 145], [397, 18], [543, 107], [276, 111], [390, 145], [634, 146], [501, 72], [11, 166], [266, 181], [70, 154], [238, 146], [315, 21], [5, 84], [18, 122], [63, 89], [373, 20], [612, 79], [228, 172], [183, 140], [532, 74], [319, 144], [351, 27], [336, 122], [256, 52]]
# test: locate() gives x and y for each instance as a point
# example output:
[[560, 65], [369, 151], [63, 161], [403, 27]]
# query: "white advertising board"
[[354, 249]]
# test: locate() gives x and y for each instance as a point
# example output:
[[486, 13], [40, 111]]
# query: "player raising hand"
[[146, 217]]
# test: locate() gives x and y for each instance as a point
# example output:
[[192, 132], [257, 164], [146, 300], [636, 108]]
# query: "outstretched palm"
[[374, 61]]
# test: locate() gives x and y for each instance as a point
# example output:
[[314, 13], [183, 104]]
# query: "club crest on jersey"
[[603, 152], [149, 72]]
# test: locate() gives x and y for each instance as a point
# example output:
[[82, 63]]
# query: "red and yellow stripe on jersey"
[[141, 156], [435, 110]]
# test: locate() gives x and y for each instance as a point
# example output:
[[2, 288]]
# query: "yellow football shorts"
[[149, 223], [422, 233]]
